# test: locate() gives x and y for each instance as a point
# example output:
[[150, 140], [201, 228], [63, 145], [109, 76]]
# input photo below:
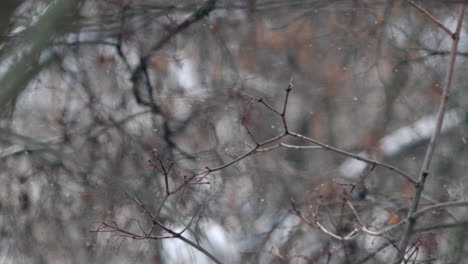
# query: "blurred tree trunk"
[[7, 10], [35, 40]]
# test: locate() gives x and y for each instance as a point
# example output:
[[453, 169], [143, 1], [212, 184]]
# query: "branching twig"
[[114, 228], [258, 147], [163, 170]]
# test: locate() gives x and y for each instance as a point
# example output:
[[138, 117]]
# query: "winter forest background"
[[249, 131]]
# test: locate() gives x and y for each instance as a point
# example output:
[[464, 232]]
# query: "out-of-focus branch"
[[200, 13], [463, 224], [7, 10], [23, 144], [37, 38]]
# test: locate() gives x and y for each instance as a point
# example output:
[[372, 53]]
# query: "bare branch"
[[432, 18], [435, 135], [371, 232], [370, 161], [439, 207], [267, 105], [299, 147]]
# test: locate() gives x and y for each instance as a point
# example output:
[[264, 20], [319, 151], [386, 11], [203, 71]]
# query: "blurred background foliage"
[[76, 130]]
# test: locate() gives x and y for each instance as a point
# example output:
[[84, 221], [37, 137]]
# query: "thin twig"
[[285, 106], [140, 204], [300, 147], [350, 236], [371, 232], [114, 228], [249, 132], [269, 148], [431, 17], [287, 132], [440, 206], [355, 156], [267, 105]]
